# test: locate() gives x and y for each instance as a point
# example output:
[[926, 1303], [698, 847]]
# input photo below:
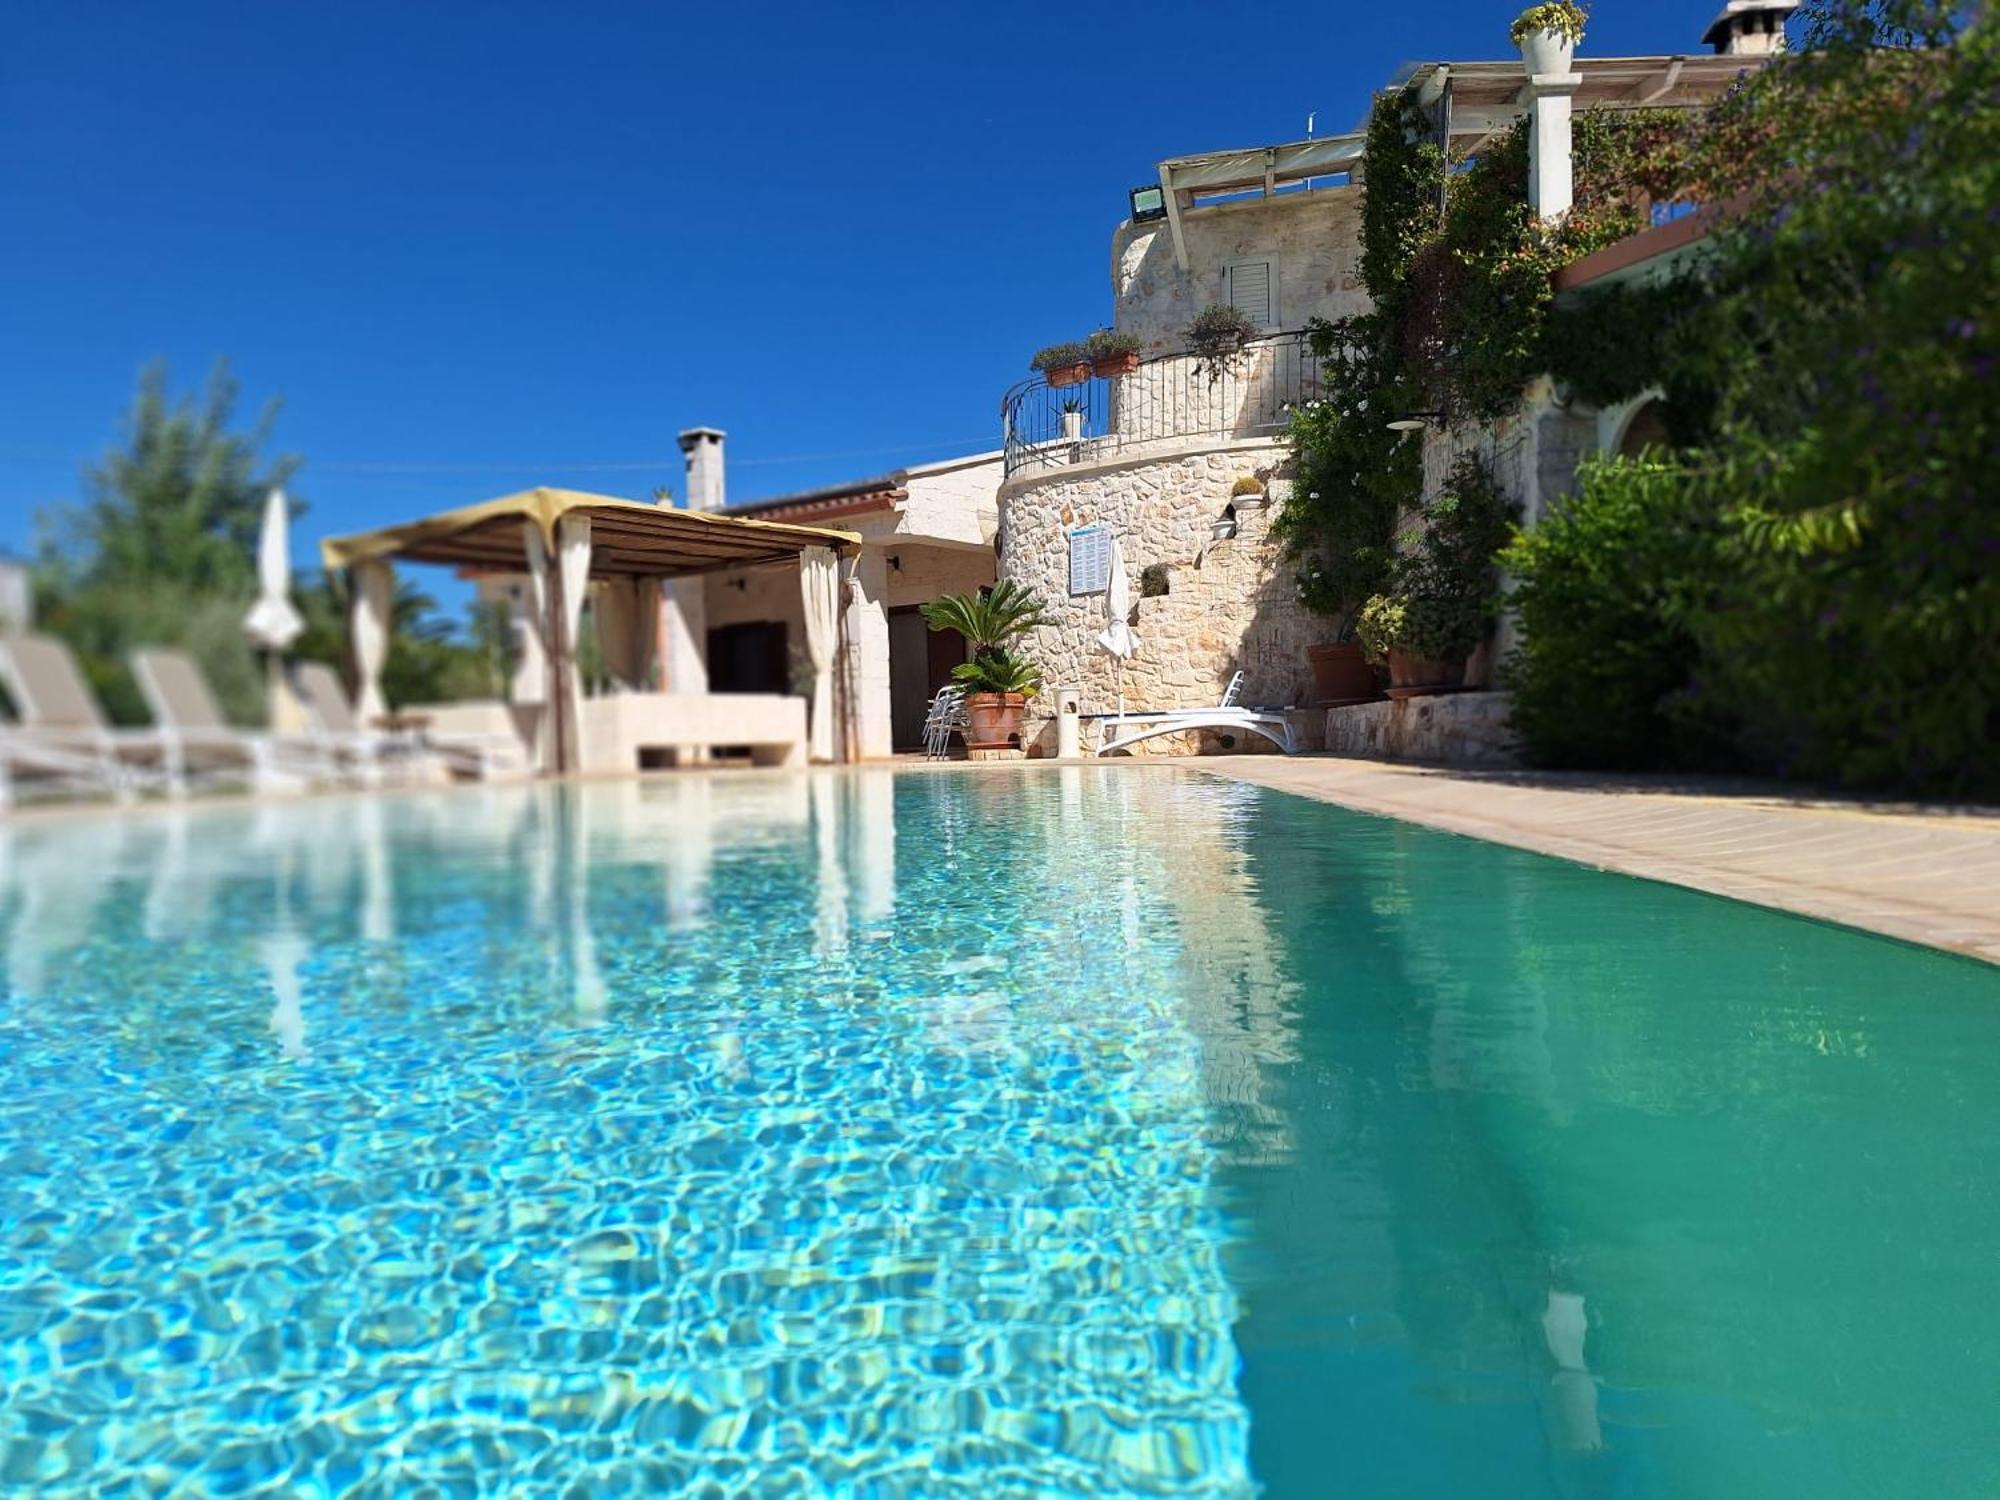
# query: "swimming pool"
[[1114, 1131]]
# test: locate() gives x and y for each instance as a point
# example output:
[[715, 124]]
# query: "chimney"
[[703, 447], [1750, 28]]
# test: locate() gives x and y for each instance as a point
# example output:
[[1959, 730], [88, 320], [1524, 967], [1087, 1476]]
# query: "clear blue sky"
[[479, 247]]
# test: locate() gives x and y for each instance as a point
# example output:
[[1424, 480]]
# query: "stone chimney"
[[703, 448], [1750, 28]]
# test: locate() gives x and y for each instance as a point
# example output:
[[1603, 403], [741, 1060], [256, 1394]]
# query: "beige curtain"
[[819, 580], [573, 558], [370, 613], [538, 629]]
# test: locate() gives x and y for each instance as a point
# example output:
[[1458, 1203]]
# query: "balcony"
[[1159, 407]]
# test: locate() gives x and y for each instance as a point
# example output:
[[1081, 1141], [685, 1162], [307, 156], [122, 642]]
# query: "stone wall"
[[1230, 604], [1314, 236], [1454, 729]]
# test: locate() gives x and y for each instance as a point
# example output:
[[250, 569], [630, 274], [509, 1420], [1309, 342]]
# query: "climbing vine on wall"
[[1458, 272]]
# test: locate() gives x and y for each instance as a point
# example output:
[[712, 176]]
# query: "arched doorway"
[[1645, 428]]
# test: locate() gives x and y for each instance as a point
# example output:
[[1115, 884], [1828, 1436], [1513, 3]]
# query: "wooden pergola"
[[563, 541]]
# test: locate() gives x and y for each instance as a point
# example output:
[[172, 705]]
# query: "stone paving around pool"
[[1925, 875]]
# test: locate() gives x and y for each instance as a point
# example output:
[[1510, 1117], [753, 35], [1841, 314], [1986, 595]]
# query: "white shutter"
[[1252, 287]]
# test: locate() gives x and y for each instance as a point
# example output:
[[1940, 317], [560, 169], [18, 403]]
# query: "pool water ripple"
[[1089, 1133]]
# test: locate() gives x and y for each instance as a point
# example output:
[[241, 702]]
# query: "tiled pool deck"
[[1924, 874]]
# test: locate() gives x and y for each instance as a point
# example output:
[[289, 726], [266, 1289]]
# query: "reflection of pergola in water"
[[568, 543]]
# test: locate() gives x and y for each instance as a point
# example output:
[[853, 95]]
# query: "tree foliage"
[[1847, 622], [162, 552]]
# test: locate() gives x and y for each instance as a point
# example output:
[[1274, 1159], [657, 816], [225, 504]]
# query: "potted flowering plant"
[[997, 682], [1445, 592], [1112, 353], [1423, 635], [1548, 35], [1062, 364]]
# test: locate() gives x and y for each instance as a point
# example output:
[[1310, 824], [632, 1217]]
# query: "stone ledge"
[[1453, 729]]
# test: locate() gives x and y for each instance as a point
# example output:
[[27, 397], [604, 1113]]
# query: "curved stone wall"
[[1230, 604]]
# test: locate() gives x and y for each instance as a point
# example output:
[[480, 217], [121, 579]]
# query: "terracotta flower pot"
[[1341, 675], [995, 720], [1413, 677], [1059, 376], [1114, 365]]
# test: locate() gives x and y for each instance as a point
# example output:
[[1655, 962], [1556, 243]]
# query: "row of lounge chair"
[[63, 743]]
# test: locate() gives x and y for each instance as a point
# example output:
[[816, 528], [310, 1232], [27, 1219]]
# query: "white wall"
[[1315, 236], [953, 502]]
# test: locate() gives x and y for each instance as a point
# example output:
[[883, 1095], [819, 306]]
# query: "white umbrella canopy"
[[274, 622]]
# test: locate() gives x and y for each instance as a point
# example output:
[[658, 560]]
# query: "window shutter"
[[1251, 291]]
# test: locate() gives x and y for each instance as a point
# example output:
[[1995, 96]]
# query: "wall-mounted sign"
[[1090, 560]]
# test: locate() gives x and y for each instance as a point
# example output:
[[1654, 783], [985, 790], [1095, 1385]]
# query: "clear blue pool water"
[[1101, 1133]]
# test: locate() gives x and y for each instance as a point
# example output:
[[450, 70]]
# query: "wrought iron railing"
[[1249, 395]]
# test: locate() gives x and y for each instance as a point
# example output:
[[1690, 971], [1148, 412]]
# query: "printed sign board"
[[1090, 560]]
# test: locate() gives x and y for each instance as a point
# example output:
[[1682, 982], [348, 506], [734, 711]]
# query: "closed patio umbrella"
[[1117, 636], [273, 622]]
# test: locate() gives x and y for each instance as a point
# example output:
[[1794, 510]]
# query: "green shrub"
[[1445, 594], [1428, 623], [1602, 587]]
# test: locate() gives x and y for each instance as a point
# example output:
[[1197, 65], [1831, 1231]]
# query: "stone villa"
[[1148, 461]]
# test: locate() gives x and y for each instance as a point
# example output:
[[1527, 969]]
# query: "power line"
[[654, 465]]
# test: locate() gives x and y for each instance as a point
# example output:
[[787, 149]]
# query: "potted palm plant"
[[1548, 35], [1062, 364], [1112, 353], [997, 682]]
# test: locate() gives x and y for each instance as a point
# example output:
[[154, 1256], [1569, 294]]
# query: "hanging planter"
[[1548, 36], [1216, 336], [1112, 354], [1062, 364]]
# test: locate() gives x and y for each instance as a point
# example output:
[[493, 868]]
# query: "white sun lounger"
[[370, 756], [1119, 731], [419, 754], [62, 738], [199, 746]]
